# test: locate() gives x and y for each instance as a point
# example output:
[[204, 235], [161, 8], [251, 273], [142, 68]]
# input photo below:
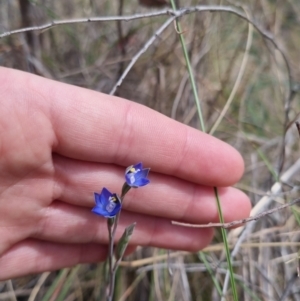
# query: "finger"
[[36, 256], [96, 127], [166, 196], [116, 131], [70, 224]]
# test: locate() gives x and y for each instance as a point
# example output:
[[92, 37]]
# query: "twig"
[[175, 14], [11, 290], [168, 12], [276, 189], [142, 50], [289, 287], [298, 126], [241, 221], [38, 286]]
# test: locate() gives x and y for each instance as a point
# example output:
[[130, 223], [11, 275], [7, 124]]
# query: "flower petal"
[[107, 203], [100, 211], [138, 166], [141, 182], [105, 195], [97, 197], [143, 173], [136, 176], [116, 210]]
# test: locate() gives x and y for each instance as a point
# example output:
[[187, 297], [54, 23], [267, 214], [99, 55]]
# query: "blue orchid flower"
[[107, 204], [136, 176]]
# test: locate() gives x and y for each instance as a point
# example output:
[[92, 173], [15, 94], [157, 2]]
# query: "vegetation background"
[[237, 70]]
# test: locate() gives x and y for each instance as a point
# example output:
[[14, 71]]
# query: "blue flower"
[[107, 204], [136, 176]]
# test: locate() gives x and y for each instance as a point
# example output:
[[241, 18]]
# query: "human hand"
[[59, 144]]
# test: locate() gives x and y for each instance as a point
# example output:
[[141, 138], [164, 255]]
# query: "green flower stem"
[[190, 70], [125, 189], [112, 225], [224, 236], [195, 92]]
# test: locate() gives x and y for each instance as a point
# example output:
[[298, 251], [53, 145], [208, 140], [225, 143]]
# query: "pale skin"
[[60, 143]]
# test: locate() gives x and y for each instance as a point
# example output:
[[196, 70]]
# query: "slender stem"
[[224, 236], [112, 285], [189, 67], [115, 225], [112, 268], [195, 92], [110, 259], [125, 189], [211, 272], [112, 228]]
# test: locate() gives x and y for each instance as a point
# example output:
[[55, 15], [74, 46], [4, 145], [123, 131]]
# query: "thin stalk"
[[195, 92], [125, 189], [67, 284], [112, 228], [224, 236], [190, 70], [56, 284], [209, 269], [110, 224]]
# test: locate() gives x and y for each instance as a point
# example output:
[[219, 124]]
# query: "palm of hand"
[[60, 143]]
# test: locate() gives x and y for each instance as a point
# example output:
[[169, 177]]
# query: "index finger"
[[92, 126]]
